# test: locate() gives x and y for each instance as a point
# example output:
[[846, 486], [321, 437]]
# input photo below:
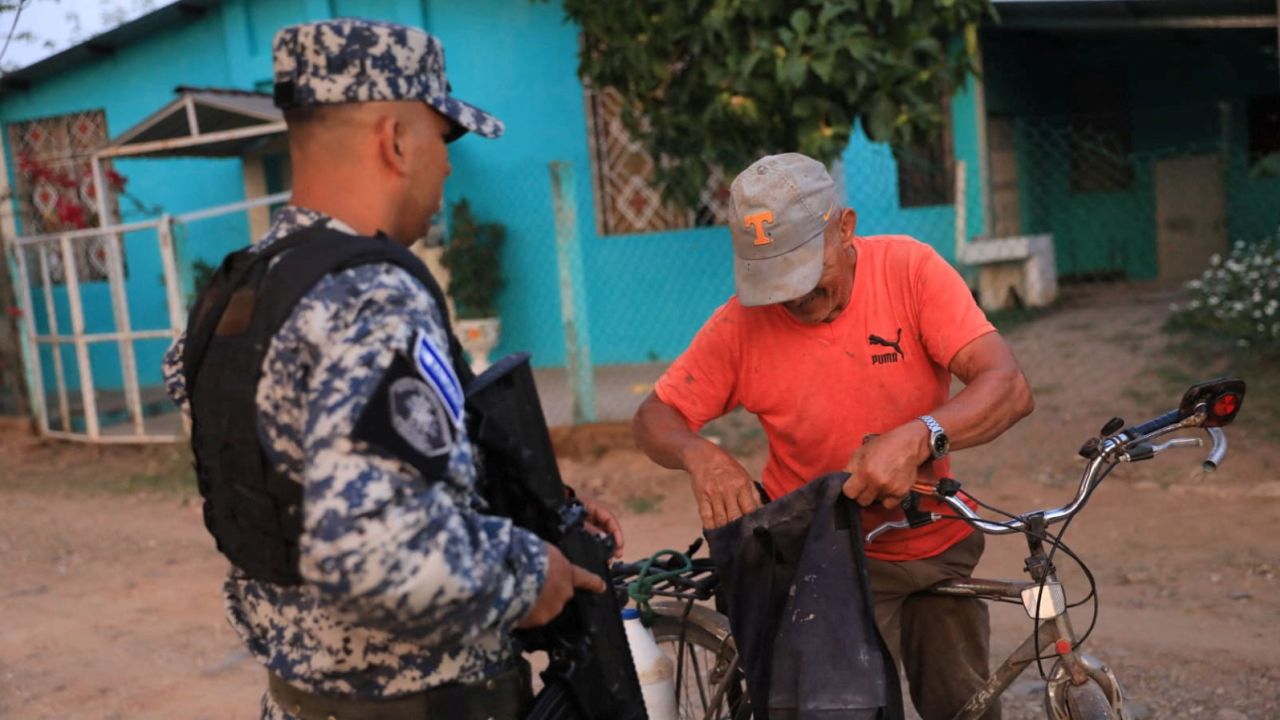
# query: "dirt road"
[[110, 604]]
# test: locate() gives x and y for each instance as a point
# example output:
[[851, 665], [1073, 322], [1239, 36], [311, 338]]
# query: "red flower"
[[115, 180], [71, 213]]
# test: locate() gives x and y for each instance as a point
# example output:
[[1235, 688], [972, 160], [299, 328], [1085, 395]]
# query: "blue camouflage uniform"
[[408, 585]]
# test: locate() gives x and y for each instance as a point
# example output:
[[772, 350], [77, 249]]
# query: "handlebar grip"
[[1151, 426]]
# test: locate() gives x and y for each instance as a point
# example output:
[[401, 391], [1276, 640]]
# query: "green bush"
[[473, 257], [1237, 298]]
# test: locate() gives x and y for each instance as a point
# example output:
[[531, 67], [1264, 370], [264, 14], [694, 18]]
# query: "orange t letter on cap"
[[757, 221]]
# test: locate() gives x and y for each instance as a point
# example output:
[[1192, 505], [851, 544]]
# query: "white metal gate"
[[41, 262]]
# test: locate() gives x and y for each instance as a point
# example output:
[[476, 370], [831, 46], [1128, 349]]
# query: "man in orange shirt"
[[831, 338]]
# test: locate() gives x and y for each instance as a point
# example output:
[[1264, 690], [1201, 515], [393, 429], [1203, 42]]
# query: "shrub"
[[473, 257], [1237, 298]]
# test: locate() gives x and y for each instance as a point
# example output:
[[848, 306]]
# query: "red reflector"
[[1225, 405], [1063, 646]]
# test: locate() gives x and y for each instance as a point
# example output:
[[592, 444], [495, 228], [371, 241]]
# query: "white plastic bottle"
[[653, 667]]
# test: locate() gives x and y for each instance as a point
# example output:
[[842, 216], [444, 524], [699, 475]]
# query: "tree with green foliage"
[[473, 257], [720, 82]]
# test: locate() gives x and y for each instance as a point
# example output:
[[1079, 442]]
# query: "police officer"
[[377, 588]]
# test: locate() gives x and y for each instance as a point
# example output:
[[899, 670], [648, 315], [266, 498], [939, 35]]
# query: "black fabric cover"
[[794, 579]]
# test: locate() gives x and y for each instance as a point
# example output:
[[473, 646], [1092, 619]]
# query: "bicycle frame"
[[1044, 601], [1072, 666]]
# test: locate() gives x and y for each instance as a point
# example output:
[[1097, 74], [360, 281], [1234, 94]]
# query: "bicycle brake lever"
[[1179, 442], [884, 528], [912, 517], [1146, 451], [911, 510]]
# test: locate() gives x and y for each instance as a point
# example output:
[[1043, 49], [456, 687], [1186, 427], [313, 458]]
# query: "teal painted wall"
[[647, 293], [1181, 87], [871, 181]]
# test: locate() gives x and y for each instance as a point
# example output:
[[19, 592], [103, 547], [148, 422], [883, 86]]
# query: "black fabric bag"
[[794, 580]]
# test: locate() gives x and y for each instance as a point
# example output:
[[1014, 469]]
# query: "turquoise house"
[[1021, 156]]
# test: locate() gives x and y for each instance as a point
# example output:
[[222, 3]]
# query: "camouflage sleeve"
[[175, 382], [401, 550]]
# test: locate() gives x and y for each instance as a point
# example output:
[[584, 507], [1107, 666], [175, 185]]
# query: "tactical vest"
[[253, 509]]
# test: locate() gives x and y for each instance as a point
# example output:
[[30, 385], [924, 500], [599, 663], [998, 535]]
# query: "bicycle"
[[1078, 685], [710, 684]]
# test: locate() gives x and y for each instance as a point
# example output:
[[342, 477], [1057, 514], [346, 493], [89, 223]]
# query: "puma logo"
[[884, 358]]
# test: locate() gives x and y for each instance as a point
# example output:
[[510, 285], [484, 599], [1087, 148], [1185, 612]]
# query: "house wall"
[[647, 294], [129, 85], [1188, 94], [871, 180]]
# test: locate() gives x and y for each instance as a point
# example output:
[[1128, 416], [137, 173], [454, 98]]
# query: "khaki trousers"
[[941, 642]]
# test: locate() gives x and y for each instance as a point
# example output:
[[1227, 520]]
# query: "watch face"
[[940, 445]]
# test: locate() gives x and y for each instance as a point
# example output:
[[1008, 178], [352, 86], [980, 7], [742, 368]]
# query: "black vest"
[[254, 510]]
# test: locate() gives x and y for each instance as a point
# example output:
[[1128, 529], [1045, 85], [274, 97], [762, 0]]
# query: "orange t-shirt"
[[818, 389]]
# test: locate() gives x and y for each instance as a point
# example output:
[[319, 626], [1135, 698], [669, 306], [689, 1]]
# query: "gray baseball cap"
[[778, 209], [348, 60]]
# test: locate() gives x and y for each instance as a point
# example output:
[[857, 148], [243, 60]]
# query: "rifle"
[[590, 675]]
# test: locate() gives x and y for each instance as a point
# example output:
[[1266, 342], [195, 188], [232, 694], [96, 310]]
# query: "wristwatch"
[[939, 443]]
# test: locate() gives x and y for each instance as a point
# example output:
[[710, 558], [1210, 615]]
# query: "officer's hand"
[[563, 577], [885, 467], [601, 519], [722, 487]]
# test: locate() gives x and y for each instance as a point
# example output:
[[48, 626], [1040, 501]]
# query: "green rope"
[[641, 589]]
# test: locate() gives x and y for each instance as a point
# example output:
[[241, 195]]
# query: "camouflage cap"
[[348, 60]]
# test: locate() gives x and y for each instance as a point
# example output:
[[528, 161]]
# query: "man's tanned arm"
[[996, 395], [722, 487]]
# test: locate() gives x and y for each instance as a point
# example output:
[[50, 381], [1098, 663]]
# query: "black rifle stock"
[[591, 675]]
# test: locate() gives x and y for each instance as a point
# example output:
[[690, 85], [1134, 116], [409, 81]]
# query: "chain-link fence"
[[1120, 210]]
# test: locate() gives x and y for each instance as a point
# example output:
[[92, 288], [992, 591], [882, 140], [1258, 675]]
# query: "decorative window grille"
[[622, 174], [54, 186]]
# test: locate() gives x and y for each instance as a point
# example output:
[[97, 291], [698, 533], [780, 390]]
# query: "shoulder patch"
[[419, 417], [435, 369], [409, 417]]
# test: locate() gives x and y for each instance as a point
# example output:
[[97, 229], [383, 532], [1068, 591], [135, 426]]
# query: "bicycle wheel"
[[709, 679]]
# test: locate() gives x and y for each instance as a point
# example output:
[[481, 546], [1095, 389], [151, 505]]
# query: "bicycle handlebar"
[[1131, 445]]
